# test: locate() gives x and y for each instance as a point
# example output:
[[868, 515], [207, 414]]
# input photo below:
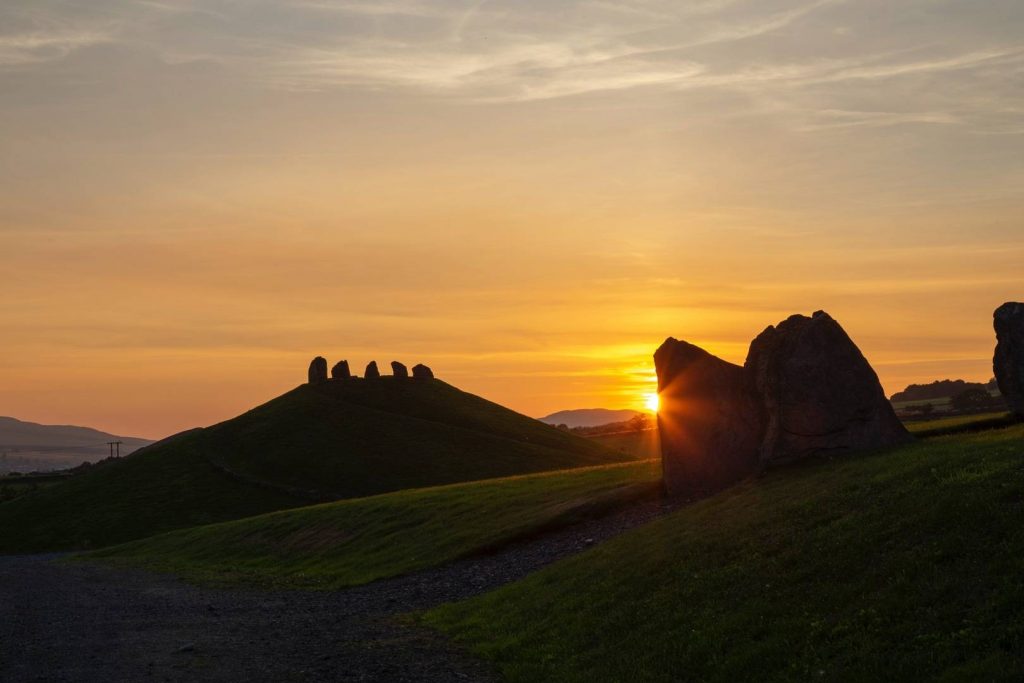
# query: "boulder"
[[399, 370], [371, 370], [318, 370], [819, 394], [421, 371], [710, 420], [1008, 362], [340, 370]]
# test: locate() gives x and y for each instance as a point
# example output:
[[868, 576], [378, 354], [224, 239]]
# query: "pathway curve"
[[85, 622]]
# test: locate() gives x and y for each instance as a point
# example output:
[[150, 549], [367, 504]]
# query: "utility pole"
[[113, 445]]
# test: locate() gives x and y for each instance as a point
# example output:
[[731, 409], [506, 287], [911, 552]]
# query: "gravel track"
[[87, 622]]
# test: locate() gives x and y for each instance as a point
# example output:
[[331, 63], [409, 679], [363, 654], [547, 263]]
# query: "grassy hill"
[[903, 565], [315, 443], [350, 542]]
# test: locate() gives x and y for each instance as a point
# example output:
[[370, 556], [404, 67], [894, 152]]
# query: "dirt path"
[[78, 622]]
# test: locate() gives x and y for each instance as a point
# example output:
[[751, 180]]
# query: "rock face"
[[421, 371], [819, 393], [805, 390], [318, 370], [1008, 362], [371, 371], [399, 370], [340, 370], [710, 420]]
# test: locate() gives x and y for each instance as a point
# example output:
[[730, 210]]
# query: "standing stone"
[[340, 370], [318, 370], [399, 370], [820, 395], [1008, 362], [371, 371], [710, 422], [421, 371]]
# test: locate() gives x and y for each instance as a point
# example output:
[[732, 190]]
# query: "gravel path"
[[85, 622]]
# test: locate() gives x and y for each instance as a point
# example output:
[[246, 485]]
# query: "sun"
[[652, 402]]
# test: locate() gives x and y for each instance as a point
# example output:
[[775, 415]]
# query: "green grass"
[[315, 443], [900, 565], [641, 445], [942, 423], [352, 542]]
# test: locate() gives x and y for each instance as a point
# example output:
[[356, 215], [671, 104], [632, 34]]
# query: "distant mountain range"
[[28, 446], [589, 417]]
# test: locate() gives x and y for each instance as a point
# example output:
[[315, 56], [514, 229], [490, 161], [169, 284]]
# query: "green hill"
[[902, 565], [350, 542], [341, 439]]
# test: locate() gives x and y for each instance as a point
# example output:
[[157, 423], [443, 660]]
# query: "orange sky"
[[194, 202]]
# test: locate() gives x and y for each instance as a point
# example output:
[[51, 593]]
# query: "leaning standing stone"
[[1008, 362]]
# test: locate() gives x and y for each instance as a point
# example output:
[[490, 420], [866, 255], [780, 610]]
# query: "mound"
[[898, 566], [338, 439]]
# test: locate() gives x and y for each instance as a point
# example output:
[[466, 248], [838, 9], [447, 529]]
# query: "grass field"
[[331, 441], [356, 541], [955, 421], [641, 445], [900, 565]]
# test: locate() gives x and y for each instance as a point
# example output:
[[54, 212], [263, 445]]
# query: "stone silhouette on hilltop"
[[318, 370], [1008, 361], [340, 370], [805, 390]]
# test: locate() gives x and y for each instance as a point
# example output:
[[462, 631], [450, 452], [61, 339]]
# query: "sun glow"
[[652, 402]]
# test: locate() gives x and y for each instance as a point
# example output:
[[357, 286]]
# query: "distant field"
[[919, 426], [641, 445], [356, 541], [900, 565]]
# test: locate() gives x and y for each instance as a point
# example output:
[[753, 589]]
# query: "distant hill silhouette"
[[26, 446], [940, 389], [589, 417], [339, 439]]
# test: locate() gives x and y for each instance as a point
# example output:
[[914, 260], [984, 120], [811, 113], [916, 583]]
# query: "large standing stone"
[[340, 370], [371, 370], [318, 370], [1008, 362], [710, 421], [421, 371], [820, 395], [399, 370]]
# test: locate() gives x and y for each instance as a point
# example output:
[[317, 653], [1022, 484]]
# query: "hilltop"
[[319, 442]]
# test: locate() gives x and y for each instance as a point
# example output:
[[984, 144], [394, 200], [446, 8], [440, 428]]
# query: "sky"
[[197, 197]]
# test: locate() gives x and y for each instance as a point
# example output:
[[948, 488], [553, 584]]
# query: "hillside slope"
[[349, 542], [904, 565], [312, 444]]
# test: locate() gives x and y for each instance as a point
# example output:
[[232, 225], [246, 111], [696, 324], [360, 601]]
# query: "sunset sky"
[[197, 197]]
